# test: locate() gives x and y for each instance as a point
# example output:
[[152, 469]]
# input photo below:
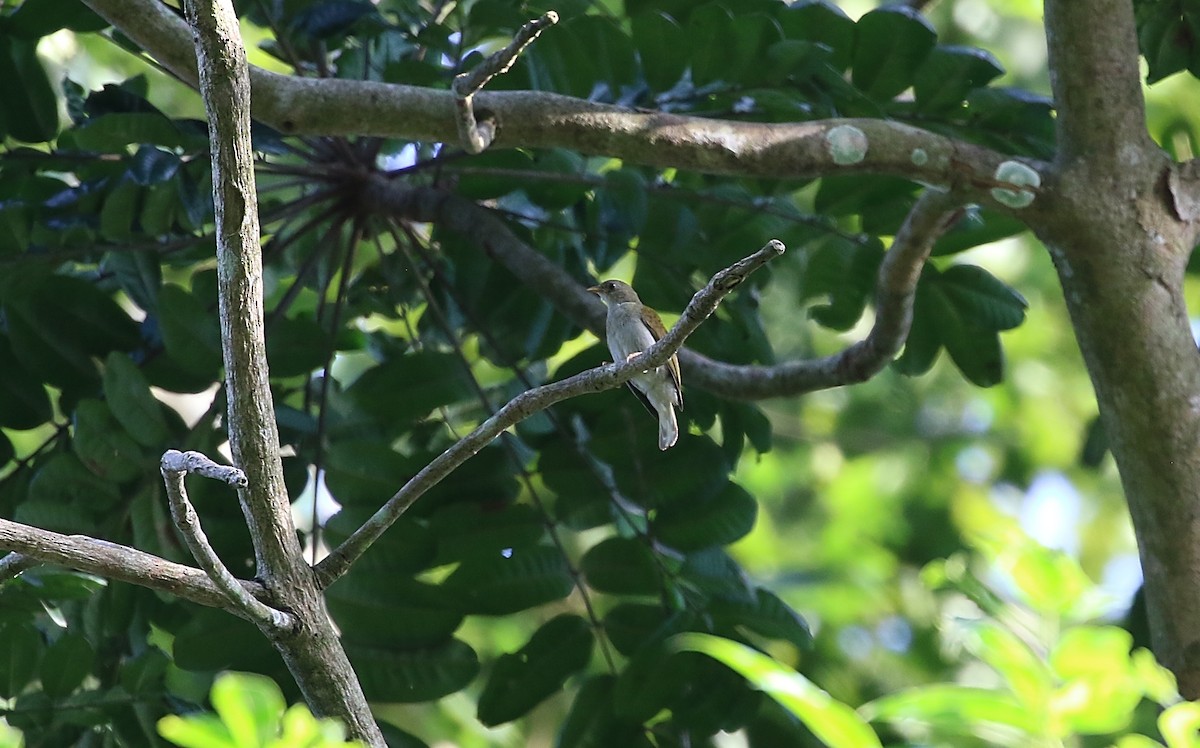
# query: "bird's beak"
[[595, 290]]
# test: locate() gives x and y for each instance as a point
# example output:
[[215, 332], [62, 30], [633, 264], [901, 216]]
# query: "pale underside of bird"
[[632, 327]]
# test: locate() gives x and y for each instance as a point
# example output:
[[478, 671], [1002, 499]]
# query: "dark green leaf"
[[845, 271], [113, 133], [190, 331], [132, 404], [331, 18], [65, 664], [295, 346], [466, 530], [30, 111], [631, 626], [26, 403], [765, 615], [20, 650], [406, 547], [822, 22], [66, 497], [521, 680], [977, 226], [623, 566], [416, 675], [408, 387], [138, 274], [592, 723], [102, 445], [890, 44], [587, 56], [511, 581], [372, 609], [983, 299], [151, 165], [662, 47], [33, 20], [714, 519], [949, 74]]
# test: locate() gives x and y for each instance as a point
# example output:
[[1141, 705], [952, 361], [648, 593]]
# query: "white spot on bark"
[[920, 157], [847, 144], [1015, 173]]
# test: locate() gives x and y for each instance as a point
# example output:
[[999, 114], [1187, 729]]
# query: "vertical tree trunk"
[[1120, 248]]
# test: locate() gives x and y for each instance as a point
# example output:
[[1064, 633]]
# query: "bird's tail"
[[668, 427]]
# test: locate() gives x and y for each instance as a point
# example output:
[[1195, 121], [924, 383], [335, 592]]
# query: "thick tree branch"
[[703, 304], [312, 651], [115, 561], [1101, 114], [477, 136], [896, 284], [328, 106], [175, 465]]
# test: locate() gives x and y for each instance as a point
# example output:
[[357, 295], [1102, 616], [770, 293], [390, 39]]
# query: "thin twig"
[[703, 304], [174, 466], [477, 136]]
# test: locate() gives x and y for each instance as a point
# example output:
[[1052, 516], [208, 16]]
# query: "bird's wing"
[[657, 330]]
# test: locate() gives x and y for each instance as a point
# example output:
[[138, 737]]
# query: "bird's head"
[[614, 292]]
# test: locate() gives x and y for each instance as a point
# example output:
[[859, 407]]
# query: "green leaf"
[[662, 47], [728, 47], [519, 579], [30, 110], [822, 22], [20, 650], [587, 56], [832, 722], [66, 497], [1179, 724], [57, 323], [631, 626], [196, 731], [954, 710], [523, 679], [382, 610], [414, 675], [35, 20], [120, 206], [190, 331], [65, 664], [26, 403], [949, 74], [890, 44], [133, 405], [250, 705], [987, 301], [465, 531], [845, 271], [295, 346], [408, 387], [102, 445], [766, 615], [592, 722], [977, 226], [408, 546], [711, 520], [622, 566]]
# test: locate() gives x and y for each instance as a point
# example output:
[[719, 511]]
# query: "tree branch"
[[115, 561], [1101, 113], [312, 651], [703, 303], [174, 466], [476, 137], [330, 106], [911, 247]]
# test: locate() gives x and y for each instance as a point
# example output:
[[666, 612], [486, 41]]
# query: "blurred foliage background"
[[880, 539]]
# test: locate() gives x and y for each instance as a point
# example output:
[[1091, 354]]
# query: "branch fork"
[[477, 135], [174, 466]]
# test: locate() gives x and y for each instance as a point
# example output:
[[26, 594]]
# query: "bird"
[[632, 327]]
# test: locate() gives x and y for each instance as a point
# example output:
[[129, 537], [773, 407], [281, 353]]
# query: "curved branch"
[[703, 304], [477, 137], [119, 562], [174, 466], [896, 284], [331, 106]]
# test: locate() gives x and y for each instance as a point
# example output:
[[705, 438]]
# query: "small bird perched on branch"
[[631, 328]]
